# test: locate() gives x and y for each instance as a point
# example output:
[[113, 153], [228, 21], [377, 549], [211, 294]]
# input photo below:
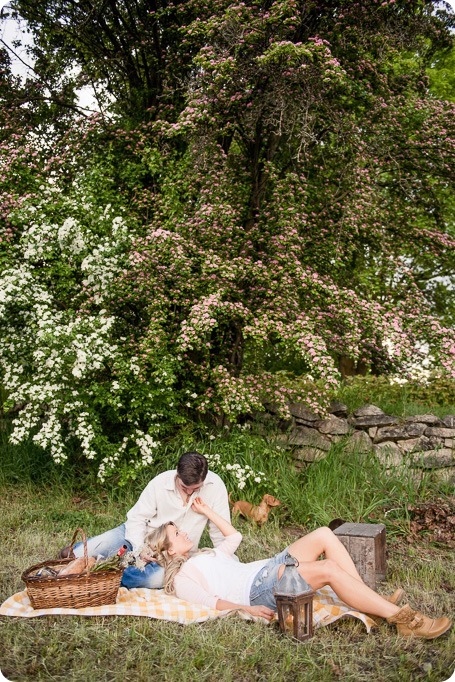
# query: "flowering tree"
[[226, 243]]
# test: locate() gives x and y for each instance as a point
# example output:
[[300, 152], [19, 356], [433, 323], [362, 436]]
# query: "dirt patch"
[[433, 521]]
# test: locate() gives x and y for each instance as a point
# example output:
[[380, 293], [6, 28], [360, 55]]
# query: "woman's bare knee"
[[326, 532], [319, 573], [311, 546], [324, 535]]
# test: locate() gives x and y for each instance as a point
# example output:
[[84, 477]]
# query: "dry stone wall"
[[421, 441]]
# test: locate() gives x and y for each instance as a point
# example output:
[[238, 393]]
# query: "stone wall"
[[421, 441]]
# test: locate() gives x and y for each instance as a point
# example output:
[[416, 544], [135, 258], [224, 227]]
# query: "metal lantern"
[[294, 601]]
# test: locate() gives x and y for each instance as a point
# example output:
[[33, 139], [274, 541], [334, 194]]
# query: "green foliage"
[[264, 192], [442, 75], [25, 462], [400, 397], [353, 486]]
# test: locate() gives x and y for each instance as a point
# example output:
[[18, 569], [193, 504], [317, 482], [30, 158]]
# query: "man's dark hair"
[[192, 468]]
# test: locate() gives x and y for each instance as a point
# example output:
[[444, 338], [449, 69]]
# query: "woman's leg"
[[348, 588], [338, 571], [324, 541]]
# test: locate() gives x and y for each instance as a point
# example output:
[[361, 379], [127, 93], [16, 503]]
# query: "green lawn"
[[37, 519]]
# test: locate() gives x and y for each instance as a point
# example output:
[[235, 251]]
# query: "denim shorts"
[[262, 592]]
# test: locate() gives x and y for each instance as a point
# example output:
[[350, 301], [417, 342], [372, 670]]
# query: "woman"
[[216, 579]]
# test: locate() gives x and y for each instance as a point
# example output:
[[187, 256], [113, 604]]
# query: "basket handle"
[[84, 540]]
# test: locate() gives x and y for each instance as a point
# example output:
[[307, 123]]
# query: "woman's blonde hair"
[[157, 543]]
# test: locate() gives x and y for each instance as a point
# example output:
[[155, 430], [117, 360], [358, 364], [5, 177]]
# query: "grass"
[[435, 396], [220, 650], [41, 506], [125, 648]]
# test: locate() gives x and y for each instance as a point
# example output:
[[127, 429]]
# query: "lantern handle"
[[290, 560]]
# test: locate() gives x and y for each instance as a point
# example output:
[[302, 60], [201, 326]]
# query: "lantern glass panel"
[[287, 612], [304, 620]]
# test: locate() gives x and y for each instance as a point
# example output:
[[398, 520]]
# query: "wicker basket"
[[91, 588]]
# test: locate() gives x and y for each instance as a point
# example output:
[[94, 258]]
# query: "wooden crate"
[[365, 543]]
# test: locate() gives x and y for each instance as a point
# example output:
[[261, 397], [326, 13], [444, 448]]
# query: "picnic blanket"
[[327, 608]]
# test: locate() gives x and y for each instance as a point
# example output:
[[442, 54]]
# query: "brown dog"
[[258, 513]]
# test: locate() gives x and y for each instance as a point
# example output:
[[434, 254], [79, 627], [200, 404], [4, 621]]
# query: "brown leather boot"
[[412, 623], [393, 599]]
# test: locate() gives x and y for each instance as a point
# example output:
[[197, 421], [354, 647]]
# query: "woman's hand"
[[256, 611], [261, 611], [200, 507]]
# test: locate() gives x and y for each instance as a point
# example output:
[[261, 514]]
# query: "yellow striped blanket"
[[327, 608]]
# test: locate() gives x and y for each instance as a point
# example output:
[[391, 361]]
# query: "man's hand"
[[147, 555]]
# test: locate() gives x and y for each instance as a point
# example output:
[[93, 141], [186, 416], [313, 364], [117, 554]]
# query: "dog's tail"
[[231, 501]]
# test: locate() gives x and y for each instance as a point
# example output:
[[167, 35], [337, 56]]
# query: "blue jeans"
[[109, 543], [150, 576], [106, 544]]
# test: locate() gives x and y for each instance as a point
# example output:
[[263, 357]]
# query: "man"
[[168, 497]]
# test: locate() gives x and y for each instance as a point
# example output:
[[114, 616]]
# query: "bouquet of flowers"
[[116, 562]]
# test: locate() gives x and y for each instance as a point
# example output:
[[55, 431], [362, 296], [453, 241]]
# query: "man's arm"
[[137, 517]]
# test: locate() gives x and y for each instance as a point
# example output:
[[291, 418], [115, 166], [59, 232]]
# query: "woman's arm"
[[261, 611], [216, 496], [188, 586], [201, 507]]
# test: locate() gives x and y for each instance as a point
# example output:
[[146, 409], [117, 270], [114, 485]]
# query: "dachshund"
[[259, 514]]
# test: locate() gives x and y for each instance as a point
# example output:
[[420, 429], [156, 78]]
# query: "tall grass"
[[356, 487], [436, 395], [353, 486]]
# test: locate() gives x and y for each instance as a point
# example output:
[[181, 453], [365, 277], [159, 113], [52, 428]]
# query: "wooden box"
[[365, 543]]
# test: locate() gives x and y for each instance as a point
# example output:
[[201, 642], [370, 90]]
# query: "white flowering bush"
[[239, 475], [68, 371]]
